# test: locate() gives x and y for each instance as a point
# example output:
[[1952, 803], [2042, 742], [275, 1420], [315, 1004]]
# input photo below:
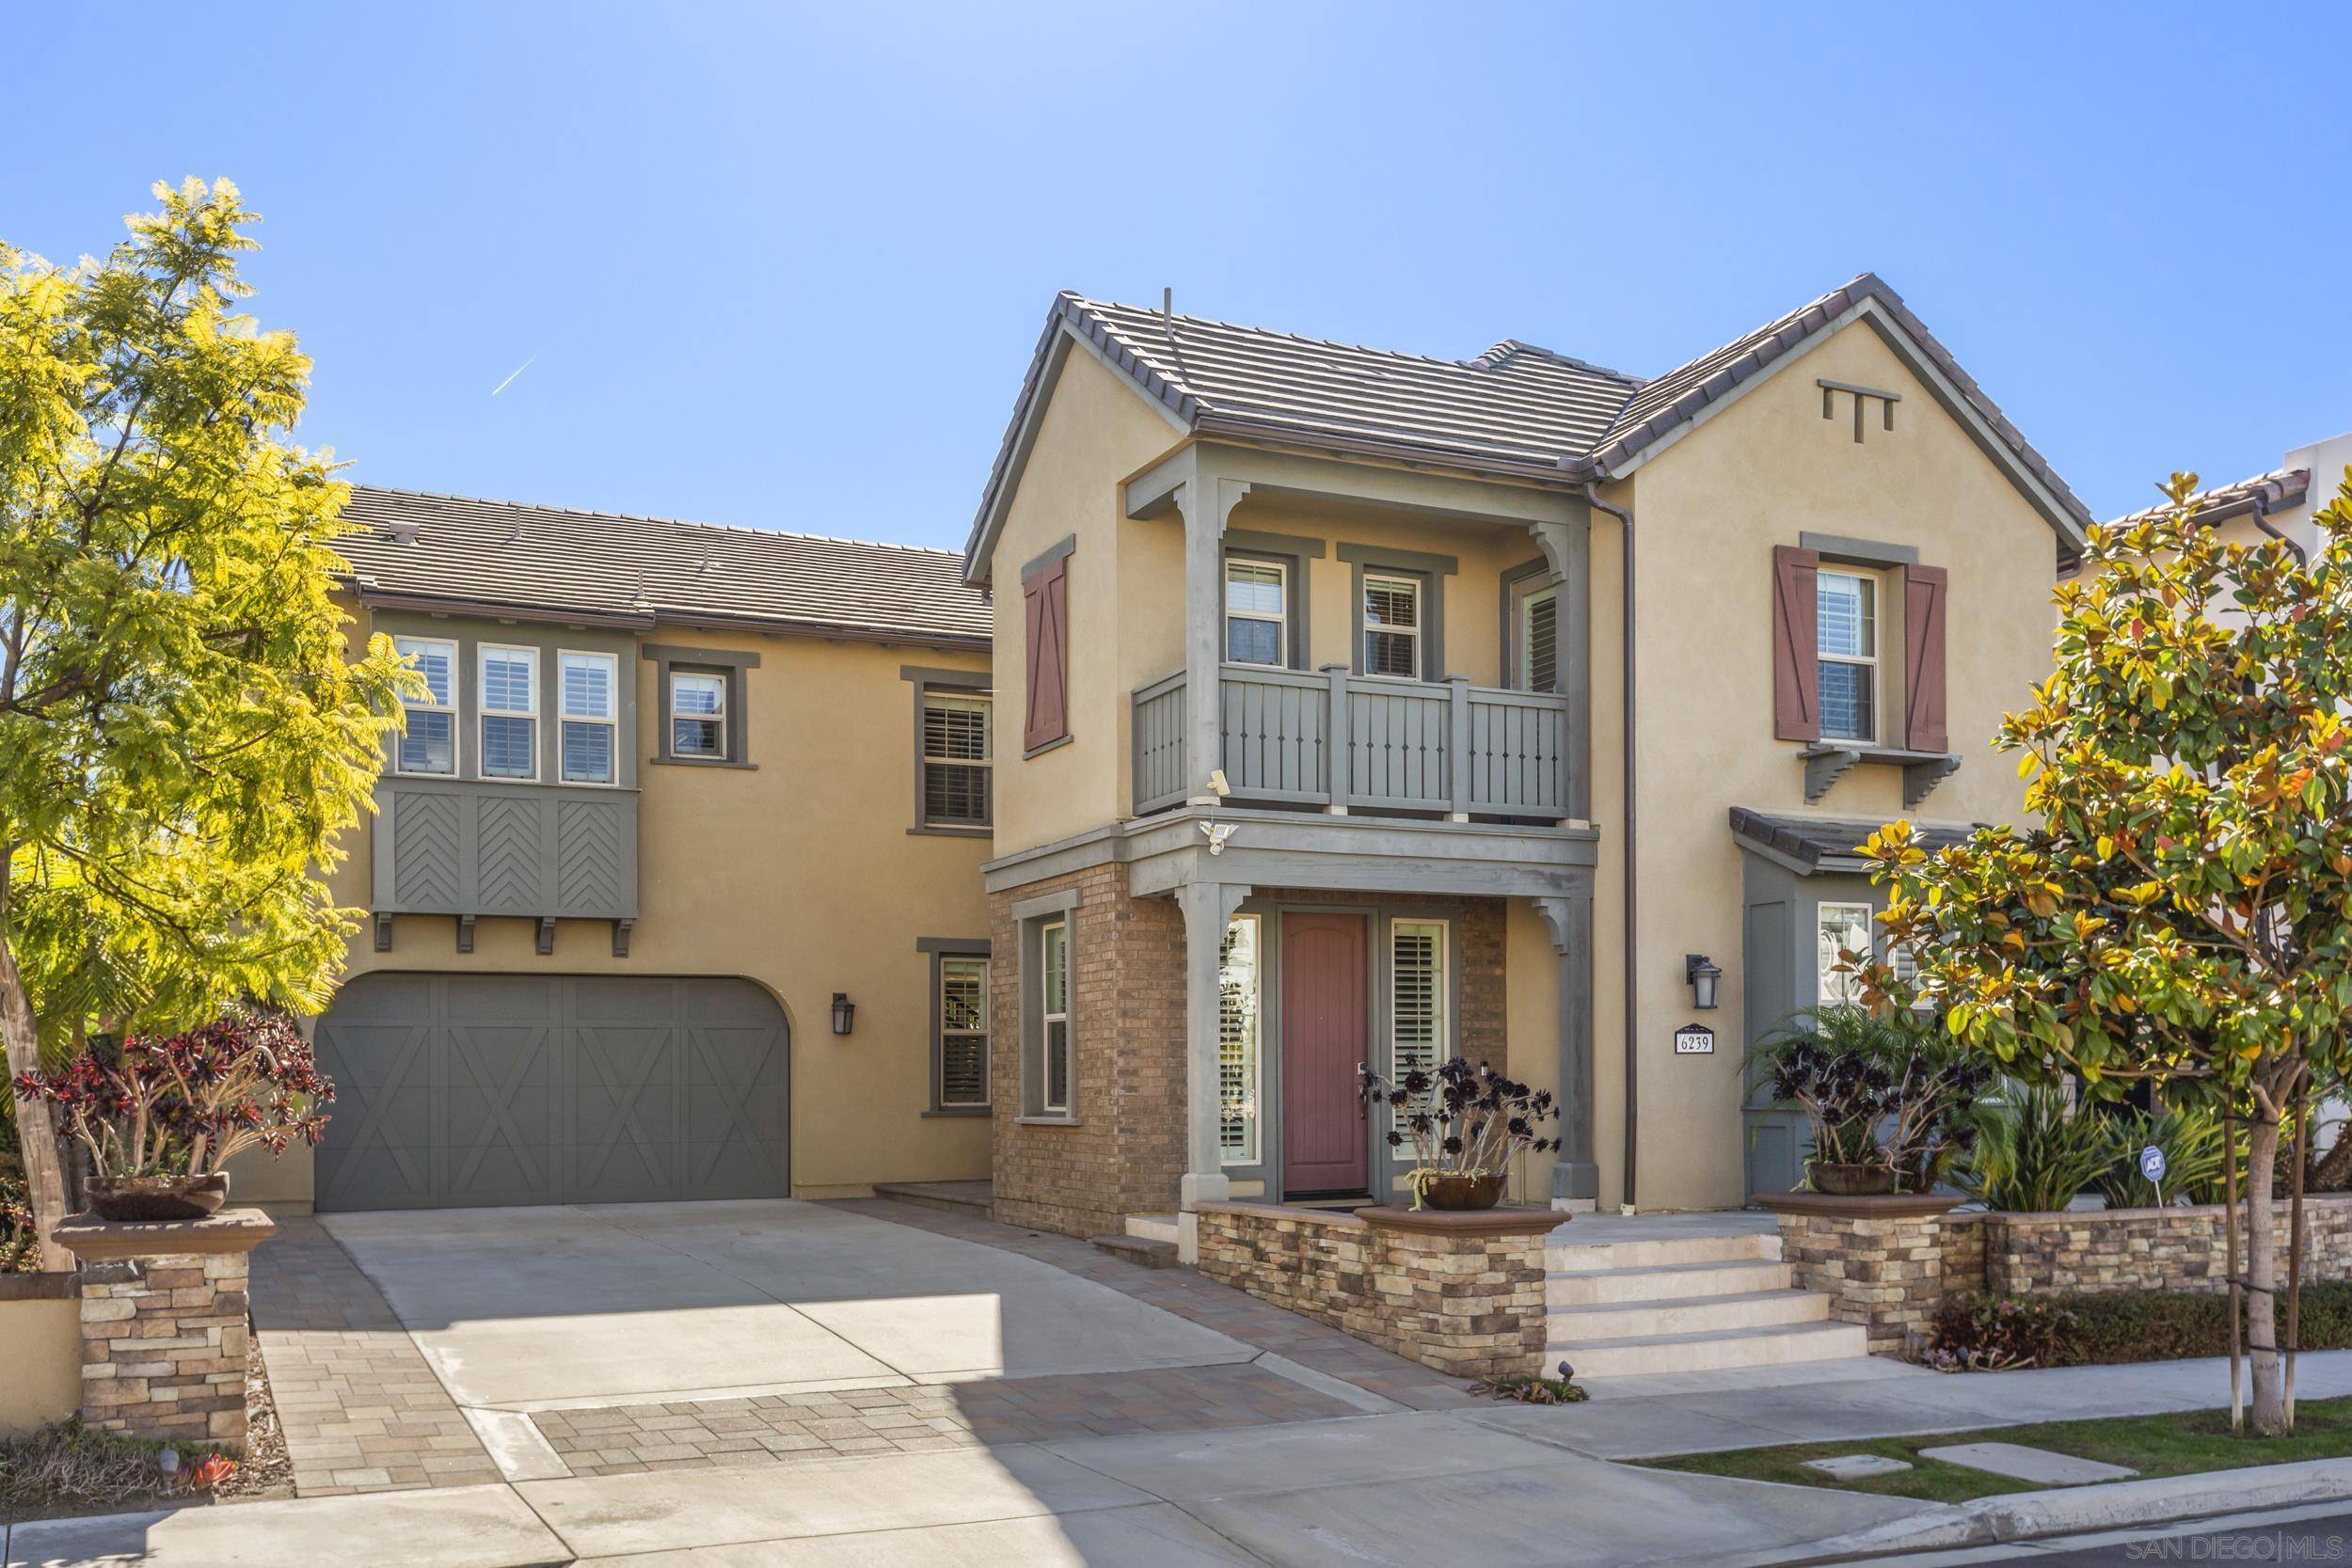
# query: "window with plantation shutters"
[[1237, 1042], [963, 1032], [956, 760], [1539, 640], [1417, 1001]]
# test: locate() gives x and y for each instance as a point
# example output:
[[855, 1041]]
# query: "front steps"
[[1697, 1302]]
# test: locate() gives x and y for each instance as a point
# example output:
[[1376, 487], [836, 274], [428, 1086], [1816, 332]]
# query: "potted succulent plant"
[[1889, 1104], [161, 1114], [1464, 1123]]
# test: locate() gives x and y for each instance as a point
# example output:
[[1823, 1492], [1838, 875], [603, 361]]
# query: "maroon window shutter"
[[1045, 611], [1796, 642], [1925, 590]]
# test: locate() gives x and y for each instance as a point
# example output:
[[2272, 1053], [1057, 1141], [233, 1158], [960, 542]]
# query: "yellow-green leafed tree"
[[2184, 912], [183, 728]]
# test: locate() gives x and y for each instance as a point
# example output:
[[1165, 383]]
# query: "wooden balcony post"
[[1458, 747], [1338, 761]]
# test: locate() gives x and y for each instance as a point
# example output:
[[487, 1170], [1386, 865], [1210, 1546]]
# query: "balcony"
[[1361, 744], [464, 847]]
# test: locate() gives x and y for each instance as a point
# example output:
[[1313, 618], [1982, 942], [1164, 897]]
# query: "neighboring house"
[[2280, 502], [1384, 599], [678, 791], [1315, 744]]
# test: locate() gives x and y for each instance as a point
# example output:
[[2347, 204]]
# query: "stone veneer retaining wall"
[[1882, 1270], [1464, 1302], [166, 1324], [2085, 1252], [1123, 1153]]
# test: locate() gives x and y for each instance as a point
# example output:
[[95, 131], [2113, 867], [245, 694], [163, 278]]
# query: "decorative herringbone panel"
[[510, 855], [590, 839], [425, 852]]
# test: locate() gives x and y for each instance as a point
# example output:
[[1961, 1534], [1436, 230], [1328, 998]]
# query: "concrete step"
[[1580, 1325], [1563, 1252], [1138, 1249], [1664, 1282], [969, 1199], [1152, 1227], [1777, 1345]]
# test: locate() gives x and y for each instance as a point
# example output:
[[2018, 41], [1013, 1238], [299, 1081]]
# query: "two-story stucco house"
[[1294, 706]]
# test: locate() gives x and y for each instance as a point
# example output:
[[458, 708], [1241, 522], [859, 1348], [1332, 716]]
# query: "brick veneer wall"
[[1470, 1306], [1126, 1154], [2086, 1252]]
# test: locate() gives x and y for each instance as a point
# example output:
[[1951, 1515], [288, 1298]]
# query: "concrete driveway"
[[530, 1309]]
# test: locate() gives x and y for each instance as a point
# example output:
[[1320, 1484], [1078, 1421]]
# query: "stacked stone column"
[[1878, 1260]]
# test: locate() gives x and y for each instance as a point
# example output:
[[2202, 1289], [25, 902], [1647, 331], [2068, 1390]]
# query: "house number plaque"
[[1694, 1039]]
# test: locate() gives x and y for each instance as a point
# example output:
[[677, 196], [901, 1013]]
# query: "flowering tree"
[[2183, 914], [183, 730]]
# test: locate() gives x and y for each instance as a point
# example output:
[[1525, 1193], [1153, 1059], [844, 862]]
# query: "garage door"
[[455, 1090]]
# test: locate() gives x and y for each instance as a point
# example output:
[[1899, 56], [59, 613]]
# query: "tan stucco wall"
[[1710, 510], [42, 1381], [1126, 600], [798, 874], [1532, 979]]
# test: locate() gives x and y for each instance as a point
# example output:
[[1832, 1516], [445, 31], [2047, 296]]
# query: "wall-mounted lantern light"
[[1701, 972], [844, 1012]]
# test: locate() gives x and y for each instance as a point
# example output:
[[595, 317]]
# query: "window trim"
[[1379, 560], [944, 951], [484, 712], [1873, 592], [666, 658], [1256, 1155], [1522, 595], [1047, 1016], [612, 720], [960, 682], [1281, 620], [670, 716], [1365, 630], [1822, 907], [1031, 916], [454, 708]]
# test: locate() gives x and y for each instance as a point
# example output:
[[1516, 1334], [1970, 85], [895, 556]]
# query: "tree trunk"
[[2267, 1416], [36, 1132]]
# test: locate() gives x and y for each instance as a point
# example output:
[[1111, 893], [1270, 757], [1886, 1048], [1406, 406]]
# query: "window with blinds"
[[1237, 1042], [1539, 641], [1054, 1009], [1392, 627], [956, 763], [963, 1031], [1416, 1000]]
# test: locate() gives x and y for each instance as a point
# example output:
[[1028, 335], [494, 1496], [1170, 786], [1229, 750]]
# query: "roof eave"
[[656, 617]]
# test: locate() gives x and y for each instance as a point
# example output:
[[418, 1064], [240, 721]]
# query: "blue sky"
[[785, 266]]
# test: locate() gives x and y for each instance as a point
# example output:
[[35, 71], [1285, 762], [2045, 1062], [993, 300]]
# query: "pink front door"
[[1324, 1039]]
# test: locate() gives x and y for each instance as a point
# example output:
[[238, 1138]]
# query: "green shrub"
[[2191, 1142], [1997, 1333], [2033, 1154]]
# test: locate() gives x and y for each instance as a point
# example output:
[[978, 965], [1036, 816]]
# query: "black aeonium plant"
[[1462, 1118]]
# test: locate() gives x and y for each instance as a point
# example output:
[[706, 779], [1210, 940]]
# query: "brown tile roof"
[[2277, 488], [1811, 840], [461, 552]]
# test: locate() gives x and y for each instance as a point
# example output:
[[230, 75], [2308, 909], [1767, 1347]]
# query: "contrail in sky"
[[510, 380]]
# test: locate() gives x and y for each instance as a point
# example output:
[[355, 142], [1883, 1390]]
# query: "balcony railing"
[[1366, 744], [464, 848]]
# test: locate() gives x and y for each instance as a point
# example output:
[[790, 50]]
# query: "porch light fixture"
[[1701, 972], [845, 1012]]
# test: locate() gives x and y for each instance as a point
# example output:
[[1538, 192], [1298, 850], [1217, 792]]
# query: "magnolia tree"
[[2182, 914], [182, 729]]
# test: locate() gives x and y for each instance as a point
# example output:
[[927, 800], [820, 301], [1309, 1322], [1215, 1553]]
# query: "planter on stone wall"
[[157, 1197], [1858, 1206], [1842, 1181]]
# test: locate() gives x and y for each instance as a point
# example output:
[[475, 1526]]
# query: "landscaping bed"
[[1999, 1332], [2166, 1444]]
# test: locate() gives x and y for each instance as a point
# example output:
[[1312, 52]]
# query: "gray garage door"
[[455, 1090]]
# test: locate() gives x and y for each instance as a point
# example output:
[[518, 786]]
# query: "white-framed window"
[[1257, 613], [1840, 929], [698, 714], [1238, 1060], [588, 704], [963, 1032], [1846, 666], [510, 711], [1416, 995], [1392, 626], [956, 765], [1538, 631], [429, 745], [1054, 1016]]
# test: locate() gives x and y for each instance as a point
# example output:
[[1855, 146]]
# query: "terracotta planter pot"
[[157, 1197], [1463, 1192], [1851, 1181]]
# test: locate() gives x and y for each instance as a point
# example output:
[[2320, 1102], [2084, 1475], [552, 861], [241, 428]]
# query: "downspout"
[[2262, 521], [1630, 941]]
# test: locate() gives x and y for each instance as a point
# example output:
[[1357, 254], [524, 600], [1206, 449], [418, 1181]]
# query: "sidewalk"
[[1496, 1483]]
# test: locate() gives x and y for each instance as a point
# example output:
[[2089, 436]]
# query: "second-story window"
[[1847, 666], [590, 710], [1393, 625], [698, 714], [510, 712], [1539, 632], [956, 763], [1257, 610], [429, 745]]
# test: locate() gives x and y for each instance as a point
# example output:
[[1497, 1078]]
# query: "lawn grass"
[[2174, 1444]]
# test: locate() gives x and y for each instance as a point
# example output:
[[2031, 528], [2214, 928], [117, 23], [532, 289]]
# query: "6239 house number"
[[1694, 1039]]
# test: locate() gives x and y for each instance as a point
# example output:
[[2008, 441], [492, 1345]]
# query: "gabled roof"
[[2280, 488], [1810, 844], [1514, 411], [552, 562]]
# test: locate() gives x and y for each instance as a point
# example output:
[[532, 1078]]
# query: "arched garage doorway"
[[479, 1090]]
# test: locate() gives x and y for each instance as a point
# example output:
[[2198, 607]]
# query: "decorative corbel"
[[465, 933], [383, 931], [621, 929], [547, 934]]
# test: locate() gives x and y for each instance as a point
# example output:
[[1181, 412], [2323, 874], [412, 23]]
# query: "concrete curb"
[[2075, 1510]]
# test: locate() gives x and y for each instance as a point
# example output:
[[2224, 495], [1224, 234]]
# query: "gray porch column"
[[1207, 908], [1576, 1176], [1568, 550], [1207, 503]]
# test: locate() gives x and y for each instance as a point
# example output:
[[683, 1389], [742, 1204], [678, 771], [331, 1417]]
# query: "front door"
[[1324, 1040]]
